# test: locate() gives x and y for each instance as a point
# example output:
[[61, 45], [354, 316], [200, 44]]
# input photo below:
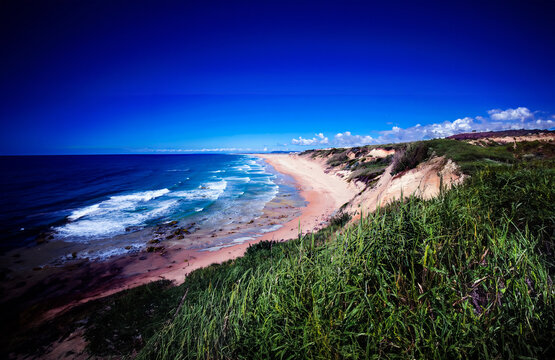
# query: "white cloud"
[[317, 139], [323, 139], [303, 142], [520, 113], [348, 139], [519, 118]]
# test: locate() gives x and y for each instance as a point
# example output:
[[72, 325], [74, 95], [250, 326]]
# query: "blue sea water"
[[86, 198]]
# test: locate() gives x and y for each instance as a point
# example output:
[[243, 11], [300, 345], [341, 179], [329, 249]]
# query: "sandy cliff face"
[[423, 181], [362, 167]]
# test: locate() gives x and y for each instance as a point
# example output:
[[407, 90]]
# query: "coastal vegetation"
[[469, 157], [467, 274]]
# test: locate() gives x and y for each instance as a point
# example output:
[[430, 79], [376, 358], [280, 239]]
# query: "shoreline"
[[323, 194]]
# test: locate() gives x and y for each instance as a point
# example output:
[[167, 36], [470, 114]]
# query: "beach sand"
[[324, 193]]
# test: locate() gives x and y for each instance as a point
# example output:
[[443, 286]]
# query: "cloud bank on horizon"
[[497, 119]]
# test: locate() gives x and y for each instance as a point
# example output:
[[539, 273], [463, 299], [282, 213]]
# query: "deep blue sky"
[[135, 76]]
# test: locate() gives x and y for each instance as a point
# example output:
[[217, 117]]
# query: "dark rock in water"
[[74, 254], [170, 236], [180, 237], [173, 223], [181, 231], [154, 241], [154, 249], [128, 247]]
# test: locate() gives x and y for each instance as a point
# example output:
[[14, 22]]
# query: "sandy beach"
[[323, 192]]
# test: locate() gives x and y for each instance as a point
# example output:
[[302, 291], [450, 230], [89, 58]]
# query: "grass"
[[472, 158], [368, 171], [466, 275], [409, 157], [123, 324]]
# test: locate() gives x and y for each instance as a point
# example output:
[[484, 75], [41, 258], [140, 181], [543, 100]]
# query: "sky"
[[87, 77]]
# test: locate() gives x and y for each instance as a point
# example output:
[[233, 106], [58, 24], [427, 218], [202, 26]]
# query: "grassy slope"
[[465, 275]]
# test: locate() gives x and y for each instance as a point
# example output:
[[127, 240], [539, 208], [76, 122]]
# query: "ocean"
[[100, 206]]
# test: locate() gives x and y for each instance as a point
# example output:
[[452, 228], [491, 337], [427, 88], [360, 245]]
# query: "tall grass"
[[465, 275]]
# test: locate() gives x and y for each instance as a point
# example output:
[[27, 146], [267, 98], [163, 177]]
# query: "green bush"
[[409, 158]]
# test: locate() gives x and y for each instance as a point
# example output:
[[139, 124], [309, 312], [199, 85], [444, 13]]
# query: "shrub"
[[407, 159]]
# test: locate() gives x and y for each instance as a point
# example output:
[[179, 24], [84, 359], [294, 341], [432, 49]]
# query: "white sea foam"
[[83, 212], [257, 171], [242, 240], [263, 180], [161, 209], [242, 167], [104, 253], [91, 228], [245, 179], [113, 216], [216, 248], [111, 223], [271, 228], [141, 196], [116, 203], [207, 191]]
